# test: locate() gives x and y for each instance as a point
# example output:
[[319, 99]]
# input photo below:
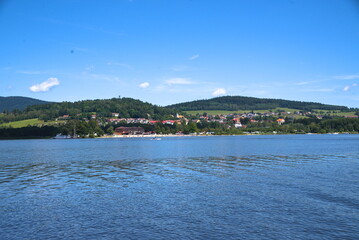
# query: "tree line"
[[126, 107], [92, 128], [235, 103]]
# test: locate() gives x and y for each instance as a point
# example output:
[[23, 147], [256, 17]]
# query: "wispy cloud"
[[45, 86], [30, 72], [6, 68], [311, 82], [347, 77], [179, 81], [318, 90], [120, 65], [331, 78], [194, 57], [144, 85], [348, 87], [180, 68], [82, 26], [103, 77], [219, 92], [89, 68], [304, 83]]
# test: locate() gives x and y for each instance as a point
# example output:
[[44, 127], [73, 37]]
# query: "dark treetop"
[[234, 103]]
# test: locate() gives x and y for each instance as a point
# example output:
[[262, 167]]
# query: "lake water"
[[230, 187]]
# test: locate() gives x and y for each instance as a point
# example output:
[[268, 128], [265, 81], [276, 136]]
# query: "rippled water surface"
[[235, 187]]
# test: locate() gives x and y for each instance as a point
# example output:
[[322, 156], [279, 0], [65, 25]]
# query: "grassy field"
[[219, 112], [30, 122], [343, 114], [210, 112]]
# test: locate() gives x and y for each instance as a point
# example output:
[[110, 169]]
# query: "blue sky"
[[170, 51]]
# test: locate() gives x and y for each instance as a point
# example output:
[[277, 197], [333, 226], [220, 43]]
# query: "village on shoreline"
[[173, 123], [250, 123]]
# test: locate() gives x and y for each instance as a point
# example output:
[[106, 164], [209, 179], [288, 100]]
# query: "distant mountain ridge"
[[17, 102], [234, 103], [124, 107], [135, 108]]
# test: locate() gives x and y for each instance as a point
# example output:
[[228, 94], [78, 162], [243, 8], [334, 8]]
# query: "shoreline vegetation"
[[128, 117], [154, 136], [204, 135], [210, 126]]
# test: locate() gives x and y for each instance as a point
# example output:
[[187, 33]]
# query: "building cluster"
[[128, 120], [179, 119], [235, 118], [129, 131]]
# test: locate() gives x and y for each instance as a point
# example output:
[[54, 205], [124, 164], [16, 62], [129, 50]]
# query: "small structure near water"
[[129, 131], [60, 136]]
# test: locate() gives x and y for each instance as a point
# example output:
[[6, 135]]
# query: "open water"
[[235, 187]]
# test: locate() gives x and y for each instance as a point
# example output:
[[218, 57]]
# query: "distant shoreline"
[[260, 134], [174, 135], [154, 136]]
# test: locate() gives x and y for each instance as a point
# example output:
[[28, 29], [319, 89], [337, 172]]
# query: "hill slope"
[[12, 103], [234, 103], [126, 107]]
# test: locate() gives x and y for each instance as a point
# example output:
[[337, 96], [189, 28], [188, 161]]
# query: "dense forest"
[[234, 103], [11, 103], [126, 107], [29, 132]]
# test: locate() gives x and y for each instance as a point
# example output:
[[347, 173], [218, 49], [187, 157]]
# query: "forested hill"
[[126, 107], [12, 103], [234, 103]]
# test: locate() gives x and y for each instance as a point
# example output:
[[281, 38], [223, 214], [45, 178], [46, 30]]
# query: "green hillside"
[[238, 103], [20, 103], [31, 122], [102, 108], [133, 108]]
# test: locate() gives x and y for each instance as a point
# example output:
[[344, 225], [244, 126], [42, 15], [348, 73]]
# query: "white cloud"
[[348, 87], [179, 81], [219, 91], [346, 77], [45, 86], [194, 57], [144, 85]]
